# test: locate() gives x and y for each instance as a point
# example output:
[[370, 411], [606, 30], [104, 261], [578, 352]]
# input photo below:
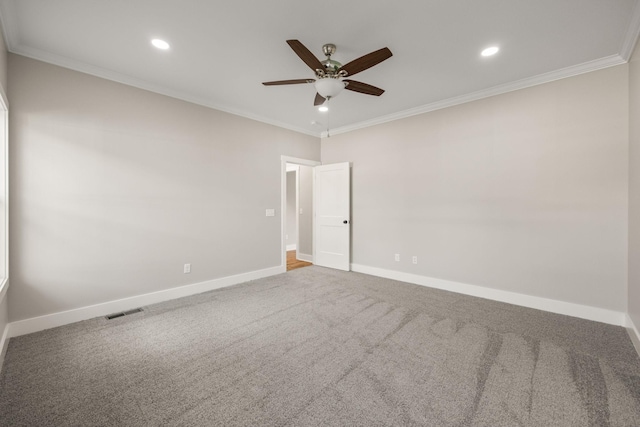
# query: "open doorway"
[[297, 212], [298, 218]]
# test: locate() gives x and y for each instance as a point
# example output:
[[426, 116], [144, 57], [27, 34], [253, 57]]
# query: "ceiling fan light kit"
[[329, 87], [330, 74]]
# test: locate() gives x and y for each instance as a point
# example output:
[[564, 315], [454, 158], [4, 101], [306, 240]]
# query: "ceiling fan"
[[330, 75]]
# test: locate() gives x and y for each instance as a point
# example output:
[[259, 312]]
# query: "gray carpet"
[[317, 347]]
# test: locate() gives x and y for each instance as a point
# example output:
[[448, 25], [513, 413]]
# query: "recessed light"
[[160, 44], [323, 108], [490, 51]]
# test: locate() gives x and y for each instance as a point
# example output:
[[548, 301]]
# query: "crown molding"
[[8, 31], [627, 47], [563, 73], [125, 79], [586, 67], [631, 37]]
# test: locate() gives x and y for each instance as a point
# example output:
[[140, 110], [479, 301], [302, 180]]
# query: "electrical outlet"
[[270, 212], [187, 268], [415, 259], [397, 257]]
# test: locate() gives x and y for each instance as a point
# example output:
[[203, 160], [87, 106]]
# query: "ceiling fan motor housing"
[[331, 67]]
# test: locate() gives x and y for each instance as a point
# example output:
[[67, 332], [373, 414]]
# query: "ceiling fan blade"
[[288, 82], [319, 100], [367, 61], [363, 88], [306, 55]]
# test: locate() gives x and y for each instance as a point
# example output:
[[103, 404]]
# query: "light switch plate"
[[271, 212]]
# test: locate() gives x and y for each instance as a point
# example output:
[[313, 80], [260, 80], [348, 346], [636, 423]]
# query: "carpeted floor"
[[318, 347]]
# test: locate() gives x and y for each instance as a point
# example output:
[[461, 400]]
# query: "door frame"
[[296, 173], [283, 202]]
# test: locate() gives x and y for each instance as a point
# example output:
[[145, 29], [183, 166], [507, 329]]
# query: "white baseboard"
[[35, 324], [292, 247], [304, 257], [554, 306], [634, 334], [27, 326]]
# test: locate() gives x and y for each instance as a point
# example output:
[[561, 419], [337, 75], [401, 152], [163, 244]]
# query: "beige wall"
[[634, 187], [3, 62], [115, 188], [524, 192]]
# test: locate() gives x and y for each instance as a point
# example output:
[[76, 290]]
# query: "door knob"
[[345, 222]]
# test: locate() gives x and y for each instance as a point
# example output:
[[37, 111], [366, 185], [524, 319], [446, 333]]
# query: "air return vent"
[[123, 313]]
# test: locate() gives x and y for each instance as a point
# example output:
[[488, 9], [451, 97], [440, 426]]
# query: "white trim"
[[81, 67], [631, 37], [626, 49], [35, 324], [10, 32], [313, 214], [609, 61], [553, 306], [304, 257], [297, 213], [283, 199], [633, 333], [295, 169], [575, 70]]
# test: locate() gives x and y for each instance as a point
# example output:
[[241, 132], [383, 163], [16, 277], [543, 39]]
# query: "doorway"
[[297, 212]]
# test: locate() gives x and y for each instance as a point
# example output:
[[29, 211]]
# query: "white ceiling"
[[222, 50]]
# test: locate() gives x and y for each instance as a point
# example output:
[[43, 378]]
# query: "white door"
[[332, 237]]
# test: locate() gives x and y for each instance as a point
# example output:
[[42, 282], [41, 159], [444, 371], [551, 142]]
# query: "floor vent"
[[124, 313]]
